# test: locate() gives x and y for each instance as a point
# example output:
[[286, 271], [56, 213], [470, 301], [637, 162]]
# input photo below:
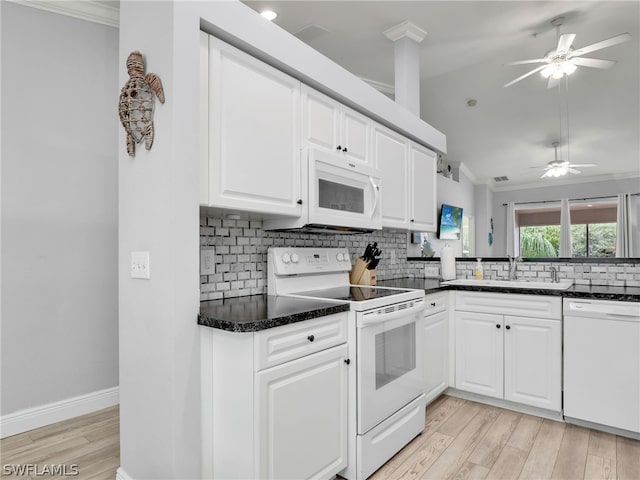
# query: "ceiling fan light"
[[558, 73], [568, 67], [548, 70]]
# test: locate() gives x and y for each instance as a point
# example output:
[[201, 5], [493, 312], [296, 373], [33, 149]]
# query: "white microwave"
[[338, 196]]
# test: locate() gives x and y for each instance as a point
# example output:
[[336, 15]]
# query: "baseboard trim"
[[516, 407], [122, 475], [36, 417]]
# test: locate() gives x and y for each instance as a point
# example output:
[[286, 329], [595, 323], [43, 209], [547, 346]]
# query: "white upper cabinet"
[[390, 156], [423, 189], [408, 173], [253, 142], [330, 125]]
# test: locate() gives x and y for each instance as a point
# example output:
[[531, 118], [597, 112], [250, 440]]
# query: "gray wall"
[[555, 192], [59, 207]]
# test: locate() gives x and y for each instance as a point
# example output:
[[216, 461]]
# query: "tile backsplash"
[[241, 253], [241, 259], [615, 274]]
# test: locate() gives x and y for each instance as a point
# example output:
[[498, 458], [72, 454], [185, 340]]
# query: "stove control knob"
[[340, 257], [286, 258], [294, 258]]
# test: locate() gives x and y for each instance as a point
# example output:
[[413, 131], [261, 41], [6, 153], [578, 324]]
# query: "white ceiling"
[[462, 57]]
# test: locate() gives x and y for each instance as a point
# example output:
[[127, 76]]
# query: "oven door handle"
[[408, 313]]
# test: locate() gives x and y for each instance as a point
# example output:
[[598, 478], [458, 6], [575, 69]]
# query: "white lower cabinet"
[[506, 356], [302, 417], [436, 345], [273, 405]]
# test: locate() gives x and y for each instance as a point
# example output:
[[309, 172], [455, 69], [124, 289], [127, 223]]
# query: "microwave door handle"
[[376, 195]]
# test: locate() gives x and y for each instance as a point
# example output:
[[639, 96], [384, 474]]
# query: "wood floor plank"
[[572, 456], [627, 458], [599, 468], [81, 421], [525, 432], [456, 423], [471, 471], [40, 452], [508, 465], [450, 461], [491, 445], [10, 444], [437, 413], [602, 444], [543, 453], [423, 457]]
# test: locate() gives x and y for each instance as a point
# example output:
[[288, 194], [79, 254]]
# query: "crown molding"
[[468, 173], [90, 10], [405, 29], [381, 87], [558, 182]]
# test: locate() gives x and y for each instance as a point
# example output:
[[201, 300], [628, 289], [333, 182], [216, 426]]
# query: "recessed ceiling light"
[[269, 14]]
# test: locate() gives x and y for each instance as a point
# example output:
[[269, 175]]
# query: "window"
[[593, 230]]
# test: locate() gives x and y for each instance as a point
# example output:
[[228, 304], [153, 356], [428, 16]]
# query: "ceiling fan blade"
[[565, 41], [553, 82], [573, 170], [609, 42], [583, 165], [524, 62], [593, 62], [546, 174], [525, 75]]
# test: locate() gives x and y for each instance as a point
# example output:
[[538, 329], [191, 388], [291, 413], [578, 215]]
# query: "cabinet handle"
[[508, 327], [311, 338], [497, 325], [433, 304], [412, 220], [339, 147], [344, 149], [348, 361], [299, 202]]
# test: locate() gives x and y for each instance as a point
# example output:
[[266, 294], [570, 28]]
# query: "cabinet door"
[[254, 155], [436, 354], [320, 120], [356, 136], [390, 158], [533, 361], [423, 189], [301, 417], [479, 358]]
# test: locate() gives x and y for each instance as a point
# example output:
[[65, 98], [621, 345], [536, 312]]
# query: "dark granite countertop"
[[259, 312], [598, 292]]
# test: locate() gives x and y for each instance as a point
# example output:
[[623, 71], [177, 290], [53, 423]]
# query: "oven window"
[[395, 353], [337, 196]]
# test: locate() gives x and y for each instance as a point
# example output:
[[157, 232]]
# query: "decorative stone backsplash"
[[241, 253], [241, 259], [615, 274]]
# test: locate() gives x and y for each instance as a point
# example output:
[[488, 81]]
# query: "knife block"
[[360, 275]]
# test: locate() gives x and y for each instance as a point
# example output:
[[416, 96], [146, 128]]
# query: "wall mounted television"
[[450, 224]]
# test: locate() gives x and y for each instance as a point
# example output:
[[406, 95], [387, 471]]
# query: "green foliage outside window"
[[587, 240]]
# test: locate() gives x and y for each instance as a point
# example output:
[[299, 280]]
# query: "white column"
[[407, 38]]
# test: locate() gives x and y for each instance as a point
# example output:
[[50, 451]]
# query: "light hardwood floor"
[[92, 442], [461, 440]]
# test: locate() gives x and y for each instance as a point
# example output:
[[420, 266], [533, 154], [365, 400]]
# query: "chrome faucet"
[[512, 266], [554, 275]]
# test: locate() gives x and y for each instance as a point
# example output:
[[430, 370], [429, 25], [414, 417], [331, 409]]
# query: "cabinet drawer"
[[288, 342], [538, 306], [435, 303]]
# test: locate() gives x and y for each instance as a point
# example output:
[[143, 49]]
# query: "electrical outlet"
[[140, 267], [207, 261]]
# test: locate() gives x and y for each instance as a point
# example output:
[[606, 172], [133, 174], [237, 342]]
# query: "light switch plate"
[[207, 261], [140, 267]]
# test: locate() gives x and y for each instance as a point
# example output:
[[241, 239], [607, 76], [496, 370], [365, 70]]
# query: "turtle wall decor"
[[135, 107]]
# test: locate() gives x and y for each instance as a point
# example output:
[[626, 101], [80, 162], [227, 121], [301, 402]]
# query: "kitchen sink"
[[530, 284]]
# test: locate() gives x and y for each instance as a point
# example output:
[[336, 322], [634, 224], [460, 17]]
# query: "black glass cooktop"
[[353, 293]]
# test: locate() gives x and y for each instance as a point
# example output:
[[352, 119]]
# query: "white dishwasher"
[[602, 363]]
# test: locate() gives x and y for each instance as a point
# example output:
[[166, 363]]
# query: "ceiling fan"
[[563, 60], [558, 168]]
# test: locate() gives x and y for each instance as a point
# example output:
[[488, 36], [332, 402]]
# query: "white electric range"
[[386, 385]]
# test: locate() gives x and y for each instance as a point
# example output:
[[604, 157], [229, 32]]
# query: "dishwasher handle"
[[606, 309]]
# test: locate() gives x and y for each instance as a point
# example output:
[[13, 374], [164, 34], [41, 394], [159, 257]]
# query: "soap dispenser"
[[479, 270]]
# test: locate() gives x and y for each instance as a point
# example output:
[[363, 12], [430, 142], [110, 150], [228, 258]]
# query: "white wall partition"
[[59, 213]]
